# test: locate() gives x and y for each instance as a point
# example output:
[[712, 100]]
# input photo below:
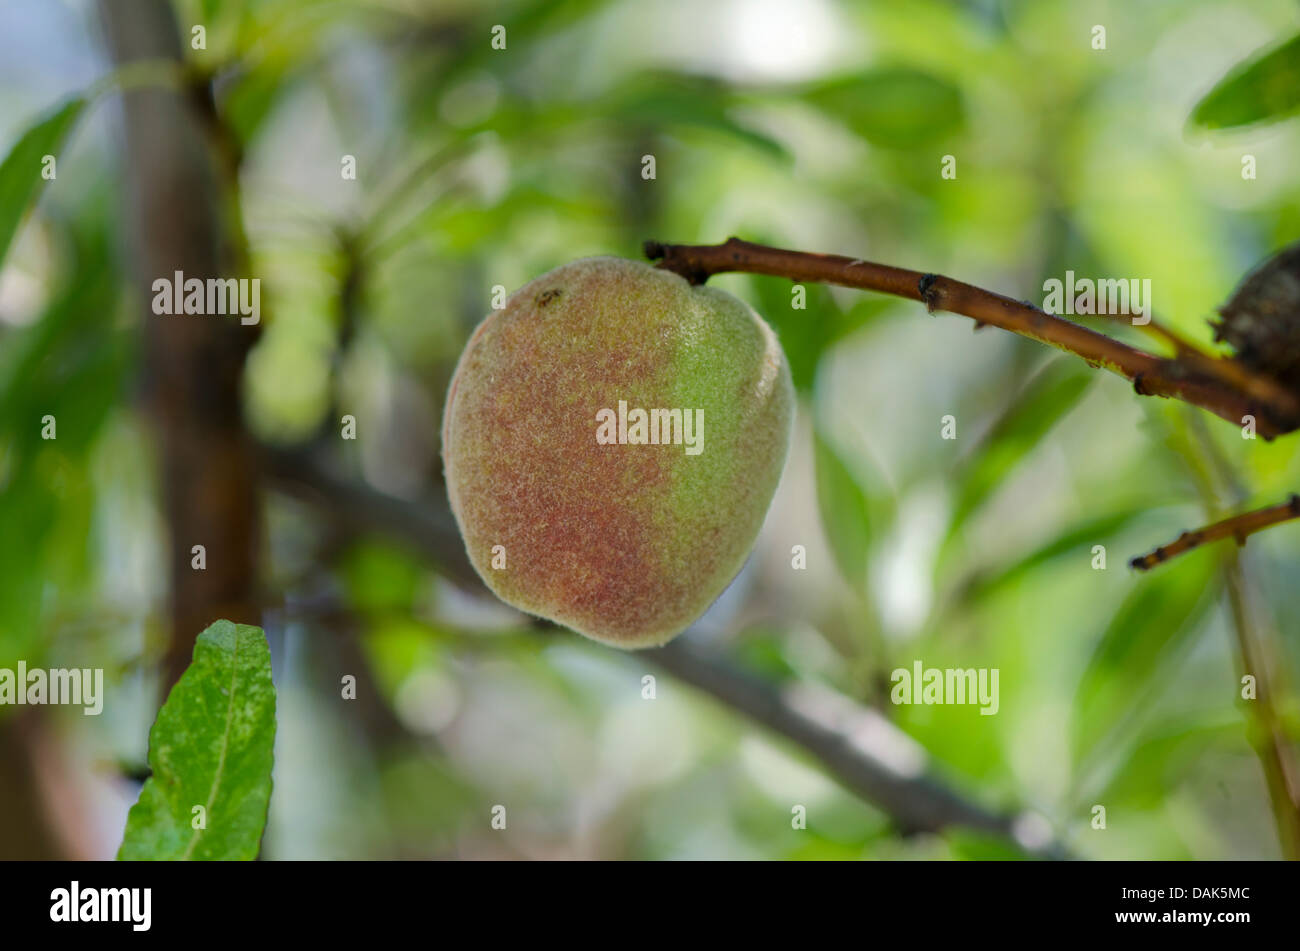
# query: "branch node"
[[925, 287]]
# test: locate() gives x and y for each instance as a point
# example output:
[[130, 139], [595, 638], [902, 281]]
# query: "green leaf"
[[70, 364], [211, 746], [808, 332], [678, 99], [20, 172], [1038, 407], [381, 578], [1167, 753], [1262, 89], [845, 513], [1128, 662], [895, 107], [1076, 540]]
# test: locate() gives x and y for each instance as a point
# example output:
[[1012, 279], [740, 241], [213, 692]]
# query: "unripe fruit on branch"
[[612, 440]]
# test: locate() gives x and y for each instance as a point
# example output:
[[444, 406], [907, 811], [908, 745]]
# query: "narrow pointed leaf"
[[845, 513], [20, 172], [1262, 89], [1144, 638]]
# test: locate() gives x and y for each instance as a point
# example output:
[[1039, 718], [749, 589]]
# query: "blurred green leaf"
[[845, 513], [20, 172], [1077, 539], [762, 651], [398, 646], [806, 334], [668, 99], [894, 107], [1039, 406], [427, 804], [534, 23], [1263, 88], [211, 746], [68, 365], [973, 845], [815, 848], [1160, 761], [1144, 635], [253, 96], [381, 578]]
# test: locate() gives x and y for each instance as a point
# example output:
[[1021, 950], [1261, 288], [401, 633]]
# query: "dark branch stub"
[[925, 287]]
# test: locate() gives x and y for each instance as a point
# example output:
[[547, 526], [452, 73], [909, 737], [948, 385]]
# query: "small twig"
[[1150, 374], [1238, 527]]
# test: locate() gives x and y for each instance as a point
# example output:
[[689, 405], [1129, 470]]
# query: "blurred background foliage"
[[818, 125]]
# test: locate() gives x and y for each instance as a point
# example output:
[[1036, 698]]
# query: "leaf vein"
[[225, 746]]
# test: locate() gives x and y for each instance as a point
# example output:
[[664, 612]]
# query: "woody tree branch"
[[1225, 387], [860, 748], [178, 217], [1224, 390]]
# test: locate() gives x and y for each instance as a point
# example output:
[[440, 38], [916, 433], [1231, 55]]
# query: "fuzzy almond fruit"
[[612, 440]]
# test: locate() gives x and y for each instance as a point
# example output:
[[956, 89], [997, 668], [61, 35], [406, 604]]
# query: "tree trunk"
[[173, 213]]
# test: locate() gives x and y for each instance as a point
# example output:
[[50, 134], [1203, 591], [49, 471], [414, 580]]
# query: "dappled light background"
[[816, 125]]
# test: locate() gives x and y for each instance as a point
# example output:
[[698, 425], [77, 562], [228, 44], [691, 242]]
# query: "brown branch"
[[860, 748], [871, 757], [179, 218], [1269, 736], [427, 529], [1234, 374], [28, 832], [1238, 527], [1150, 374]]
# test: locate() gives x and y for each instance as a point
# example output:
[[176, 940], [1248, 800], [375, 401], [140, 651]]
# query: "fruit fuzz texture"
[[626, 543]]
